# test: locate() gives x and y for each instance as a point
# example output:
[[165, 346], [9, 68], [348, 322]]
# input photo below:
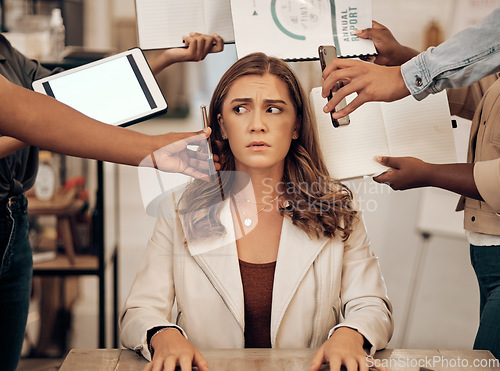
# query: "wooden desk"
[[284, 360]]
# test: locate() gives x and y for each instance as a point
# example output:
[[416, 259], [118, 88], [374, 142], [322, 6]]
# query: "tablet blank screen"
[[110, 92]]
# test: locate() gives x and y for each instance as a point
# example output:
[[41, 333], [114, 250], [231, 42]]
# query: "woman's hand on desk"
[[171, 349], [345, 347], [198, 46]]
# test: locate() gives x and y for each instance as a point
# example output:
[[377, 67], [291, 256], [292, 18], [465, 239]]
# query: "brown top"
[[257, 282]]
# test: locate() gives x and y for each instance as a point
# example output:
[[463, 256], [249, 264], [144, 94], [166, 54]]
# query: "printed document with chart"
[[293, 29]]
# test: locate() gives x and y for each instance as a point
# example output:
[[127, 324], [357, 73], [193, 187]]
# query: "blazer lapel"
[[296, 254], [218, 258]]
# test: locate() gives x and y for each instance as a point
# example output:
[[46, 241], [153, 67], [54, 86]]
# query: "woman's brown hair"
[[316, 203]]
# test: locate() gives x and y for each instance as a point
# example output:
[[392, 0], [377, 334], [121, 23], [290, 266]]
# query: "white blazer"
[[316, 282]]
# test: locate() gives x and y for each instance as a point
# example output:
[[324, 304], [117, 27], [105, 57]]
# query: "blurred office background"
[[423, 252]]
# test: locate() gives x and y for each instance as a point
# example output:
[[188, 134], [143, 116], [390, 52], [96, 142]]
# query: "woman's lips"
[[258, 146]]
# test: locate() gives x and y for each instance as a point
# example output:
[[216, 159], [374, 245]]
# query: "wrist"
[[352, 333], [401, 90], [430, 174], [144, 146], [162, 61], [408, 54], [402, 55], [152, 336], [152, 144]]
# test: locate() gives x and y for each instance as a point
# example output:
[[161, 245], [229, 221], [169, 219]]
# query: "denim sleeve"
[[462, 60]]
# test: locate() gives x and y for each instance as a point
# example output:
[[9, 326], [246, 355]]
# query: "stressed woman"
[[272, 253]]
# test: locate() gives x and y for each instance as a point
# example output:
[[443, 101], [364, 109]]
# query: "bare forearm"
[[10, 145], [42, 121], [159, 61], [410, 172], [390, 51], [404, 55], [458, 178]]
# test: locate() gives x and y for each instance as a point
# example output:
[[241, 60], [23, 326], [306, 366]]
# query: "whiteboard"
[[469, 12], [436, 213]]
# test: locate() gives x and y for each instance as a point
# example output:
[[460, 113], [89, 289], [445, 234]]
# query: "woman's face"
[[260, 121]]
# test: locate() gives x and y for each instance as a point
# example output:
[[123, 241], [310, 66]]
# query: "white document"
[[406, 127], [162, 23], [352, 15], [293, 29]]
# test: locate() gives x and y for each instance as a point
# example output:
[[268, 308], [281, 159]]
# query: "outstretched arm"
[[465, 58], [43, 121], [410, 172], [10, 145]]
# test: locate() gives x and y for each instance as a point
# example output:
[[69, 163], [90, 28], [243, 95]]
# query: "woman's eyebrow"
[[249, 100], [275, 101], [242, 100]]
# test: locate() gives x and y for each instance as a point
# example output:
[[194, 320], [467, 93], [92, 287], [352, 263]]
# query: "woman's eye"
[[274, 110], [239, 109]]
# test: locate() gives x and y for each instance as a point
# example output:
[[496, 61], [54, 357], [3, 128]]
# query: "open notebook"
[[163, 23], [406, 127]]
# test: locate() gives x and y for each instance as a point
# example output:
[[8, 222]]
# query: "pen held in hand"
[[211, 165]]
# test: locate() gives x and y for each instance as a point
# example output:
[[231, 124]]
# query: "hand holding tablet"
[[118, 90]]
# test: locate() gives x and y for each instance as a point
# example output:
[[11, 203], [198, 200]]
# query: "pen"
[[211, 166]]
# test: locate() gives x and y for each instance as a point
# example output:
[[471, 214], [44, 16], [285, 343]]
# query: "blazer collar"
[[218, 258]]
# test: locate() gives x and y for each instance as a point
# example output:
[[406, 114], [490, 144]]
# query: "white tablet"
[[117, 90]]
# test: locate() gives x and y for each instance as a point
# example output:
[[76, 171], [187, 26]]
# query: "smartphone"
[[326, 54]]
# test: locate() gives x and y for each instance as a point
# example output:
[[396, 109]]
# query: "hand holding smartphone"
[[326, 54]]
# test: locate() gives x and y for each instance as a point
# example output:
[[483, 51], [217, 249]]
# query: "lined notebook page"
[[161, 23], [420, 129], [150, 24], [349, 150], [218, 18]]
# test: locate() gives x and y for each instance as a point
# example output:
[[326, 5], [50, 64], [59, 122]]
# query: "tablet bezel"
[[145, 74]]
